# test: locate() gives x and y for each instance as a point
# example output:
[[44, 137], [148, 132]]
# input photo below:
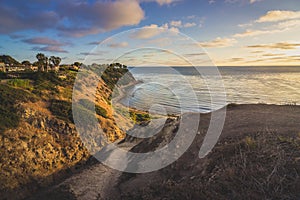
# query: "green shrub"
[[101, 111], [139, 117], [87, 104], [9, 117], [61, 109], [22, 83]]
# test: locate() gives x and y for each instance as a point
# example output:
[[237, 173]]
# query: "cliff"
[[39, 142]]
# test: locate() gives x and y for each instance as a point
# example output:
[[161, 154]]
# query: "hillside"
[[257, 157], [39, 142], [8, 60]]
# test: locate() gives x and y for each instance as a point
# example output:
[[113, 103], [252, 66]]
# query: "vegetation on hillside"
[[262, 165], [8, 60], [9, 117]]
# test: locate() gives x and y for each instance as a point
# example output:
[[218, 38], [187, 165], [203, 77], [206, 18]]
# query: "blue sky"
[[230, 32]]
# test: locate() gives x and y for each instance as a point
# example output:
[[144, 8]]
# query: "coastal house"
[[34, 68], [15, 69]]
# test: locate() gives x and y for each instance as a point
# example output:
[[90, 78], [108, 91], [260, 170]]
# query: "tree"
[[42, 62], [55, 61], [26, 63], [77, 64]]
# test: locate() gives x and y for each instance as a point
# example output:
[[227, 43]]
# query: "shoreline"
[[122, 92]]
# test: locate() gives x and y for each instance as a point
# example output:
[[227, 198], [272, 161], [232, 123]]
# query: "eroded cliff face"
[[45, 147], [40, 147]]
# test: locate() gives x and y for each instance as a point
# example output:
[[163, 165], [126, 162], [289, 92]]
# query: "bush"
[[139, 117], [101, 111], [61, 109], [87, 104], [9, 117], [22, 83]]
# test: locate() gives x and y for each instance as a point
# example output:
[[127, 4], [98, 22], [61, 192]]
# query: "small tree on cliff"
[[55, 61], [42, 62]]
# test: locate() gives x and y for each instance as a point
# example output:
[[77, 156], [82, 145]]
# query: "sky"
[[154, 32]]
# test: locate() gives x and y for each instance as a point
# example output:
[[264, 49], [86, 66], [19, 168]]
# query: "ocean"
[[175, 90]]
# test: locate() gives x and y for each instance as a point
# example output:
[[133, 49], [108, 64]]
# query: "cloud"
[[241, 1], [176, 23], [118, 45], [179, 24], [245, 25], [94, 43], [152, 30], [48, 44], [55, 49], [280, 45], [288, 24], [99, 16], [161, 2], [236, 59], [218, 43], [279, 15], [195, 54], [294, 60], [43, 41], [92, 53], [189, 24], [249, 33], [257, 52], [79, 32], [253, 1], [273, 54], [14, 19], [191, 17], [72, 18]]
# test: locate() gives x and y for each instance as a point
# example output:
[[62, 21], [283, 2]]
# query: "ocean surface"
[[175, 90]]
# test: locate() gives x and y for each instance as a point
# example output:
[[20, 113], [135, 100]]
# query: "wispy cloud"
[[176, 23], [189, 24], [161, 2], [218, 43], [180, 24], [249, 33], [294, 59], [98, 53], [118, 45], [236, 59], [280, 45], [242, 1], [253, 1], [43, 41], [279, 15], [273, 54], [55, 49], [48, 44], [152, 30]]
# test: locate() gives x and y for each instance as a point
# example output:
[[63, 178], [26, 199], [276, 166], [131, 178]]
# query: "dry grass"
[[265, 165]]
